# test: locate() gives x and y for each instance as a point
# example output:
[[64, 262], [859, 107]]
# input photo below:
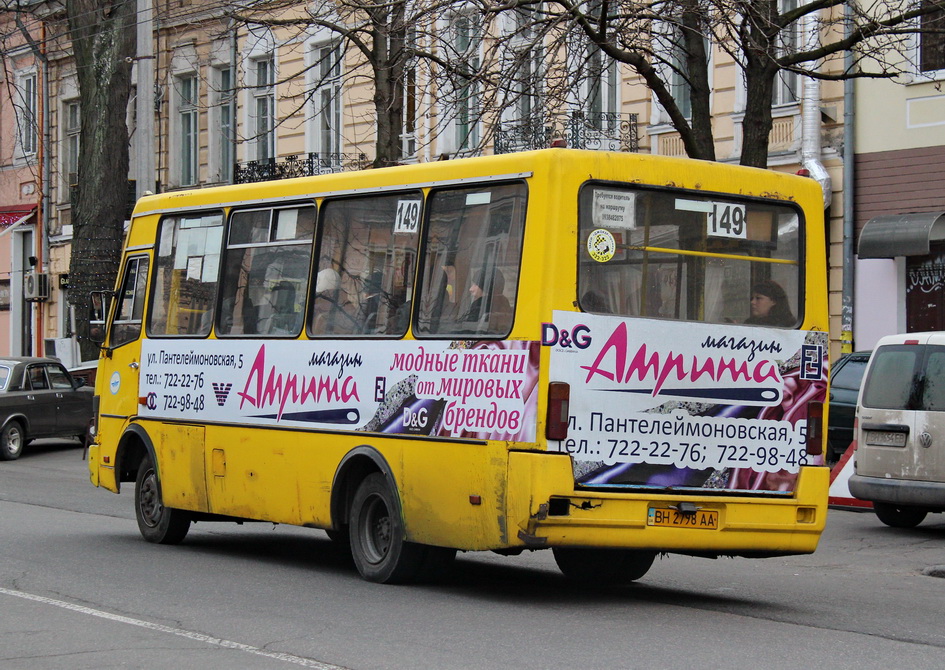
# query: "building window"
[[787, 83], [264, 109], [466, 38], [932, 41], [26, 114], [525, 56], [72, 126], [602, 88], [224, 128], [327, 99], [678, 79], [188, 116]]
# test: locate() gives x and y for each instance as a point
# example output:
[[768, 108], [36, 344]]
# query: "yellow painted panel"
[[179, 450]]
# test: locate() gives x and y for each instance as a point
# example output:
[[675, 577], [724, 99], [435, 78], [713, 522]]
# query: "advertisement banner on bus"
[[470, 389], [665, 403]]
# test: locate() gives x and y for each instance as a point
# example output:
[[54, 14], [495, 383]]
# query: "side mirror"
[[98, 310], [79, 382]]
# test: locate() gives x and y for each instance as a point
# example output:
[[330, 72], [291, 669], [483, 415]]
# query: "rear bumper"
[[898, 491], [747, 525]]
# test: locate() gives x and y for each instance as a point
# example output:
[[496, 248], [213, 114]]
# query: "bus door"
[[124, 350]]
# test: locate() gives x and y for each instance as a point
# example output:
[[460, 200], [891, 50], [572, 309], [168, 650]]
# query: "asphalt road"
[[79, 589]]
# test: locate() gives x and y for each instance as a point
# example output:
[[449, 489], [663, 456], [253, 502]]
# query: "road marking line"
[[180, 632]]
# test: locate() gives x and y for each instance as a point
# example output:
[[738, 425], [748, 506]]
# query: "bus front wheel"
[[377, 535], [603, 566], [157, 523]]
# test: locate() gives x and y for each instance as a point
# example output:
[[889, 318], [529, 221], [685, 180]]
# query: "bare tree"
[[384, 38], [103, 41], [667, 41]]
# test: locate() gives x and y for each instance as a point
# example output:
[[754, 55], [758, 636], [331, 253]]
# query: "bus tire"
[[157, 523], [376, 529], [899, 516], [603, 566], [12, 440]]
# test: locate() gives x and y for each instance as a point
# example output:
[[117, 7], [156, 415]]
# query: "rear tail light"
[[856, 430], [559, 403], [815, 428]]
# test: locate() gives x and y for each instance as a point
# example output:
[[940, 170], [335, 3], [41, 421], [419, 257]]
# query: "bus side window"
[[473, 255], [268, 254], [368, 250], [186, 267]]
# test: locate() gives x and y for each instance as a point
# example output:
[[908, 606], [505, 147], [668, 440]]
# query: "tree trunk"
[[760, 47], [756, 125], [103, 40], [388, 64], [694, 28]]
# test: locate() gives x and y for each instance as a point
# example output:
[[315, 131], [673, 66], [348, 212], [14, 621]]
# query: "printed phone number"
[[184, 402], [174, 380], [687, 454]]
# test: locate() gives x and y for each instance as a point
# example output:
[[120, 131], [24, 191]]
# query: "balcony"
[[597, 132], [290, 167]]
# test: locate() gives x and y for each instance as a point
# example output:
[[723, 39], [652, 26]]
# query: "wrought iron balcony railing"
[[600, 132], [288, 167]]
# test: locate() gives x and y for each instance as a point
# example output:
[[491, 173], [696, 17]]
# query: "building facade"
[[22, 76], [899, 198], [219, 100]]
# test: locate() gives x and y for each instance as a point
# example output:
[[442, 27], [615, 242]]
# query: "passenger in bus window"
[[371, 300], [488, 299], [769, 305], [331, 305], [286, 312]]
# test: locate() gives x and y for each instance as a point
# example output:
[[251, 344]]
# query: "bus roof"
[[571, 164]]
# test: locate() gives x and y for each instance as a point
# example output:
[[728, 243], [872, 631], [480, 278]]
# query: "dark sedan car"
[[845, 379], [39, 398]]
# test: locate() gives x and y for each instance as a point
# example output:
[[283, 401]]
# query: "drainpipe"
[[234, 64], [849, 145], [145, 162], [46, 162], [810, 117]]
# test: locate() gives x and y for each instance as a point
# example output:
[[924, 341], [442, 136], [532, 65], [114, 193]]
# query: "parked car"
[[39, 398], [900, 430], [845, 379]]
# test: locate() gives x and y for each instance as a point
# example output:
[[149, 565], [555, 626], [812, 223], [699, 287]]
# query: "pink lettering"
[[279, 389], [661, 367]]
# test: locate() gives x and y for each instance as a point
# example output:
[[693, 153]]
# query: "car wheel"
[[157, 523], [12, 439], [603, 566], [899, 516], [378, 547]]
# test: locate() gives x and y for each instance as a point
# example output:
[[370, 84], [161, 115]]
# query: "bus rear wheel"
[[157, 523], [378, 547], [603, 566]]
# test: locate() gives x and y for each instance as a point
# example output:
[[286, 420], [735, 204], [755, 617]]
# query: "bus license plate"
[[703, 518], [885, 438]]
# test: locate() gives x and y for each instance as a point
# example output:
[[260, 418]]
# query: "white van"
[[900, 429]]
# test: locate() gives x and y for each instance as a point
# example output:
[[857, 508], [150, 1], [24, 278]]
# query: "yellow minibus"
[[608, 355]]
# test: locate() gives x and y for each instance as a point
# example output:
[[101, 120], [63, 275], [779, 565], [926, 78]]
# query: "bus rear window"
[[688, 256]]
